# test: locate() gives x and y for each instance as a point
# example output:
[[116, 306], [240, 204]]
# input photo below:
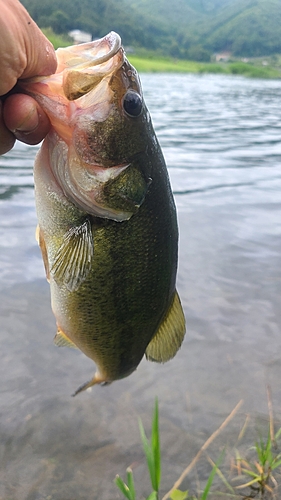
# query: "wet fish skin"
[[112, 267]]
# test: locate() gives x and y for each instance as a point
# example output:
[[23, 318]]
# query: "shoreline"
[[152, 63], [158, 65]]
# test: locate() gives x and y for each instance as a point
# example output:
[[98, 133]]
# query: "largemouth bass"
[[107, 224]]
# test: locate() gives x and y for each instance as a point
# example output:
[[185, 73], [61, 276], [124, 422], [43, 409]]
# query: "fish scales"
[[110, 254]]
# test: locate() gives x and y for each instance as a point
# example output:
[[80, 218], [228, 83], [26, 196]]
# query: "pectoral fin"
[[61, 340], [168, 339], [73, 260]]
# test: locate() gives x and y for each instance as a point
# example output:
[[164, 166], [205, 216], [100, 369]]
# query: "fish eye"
[[132, 103]]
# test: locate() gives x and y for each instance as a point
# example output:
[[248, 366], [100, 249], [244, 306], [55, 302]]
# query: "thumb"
[[40, 54], [24, 50]]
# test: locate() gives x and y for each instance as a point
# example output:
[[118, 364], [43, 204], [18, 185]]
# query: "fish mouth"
[[80, 69], [87, 64], [95, 52]]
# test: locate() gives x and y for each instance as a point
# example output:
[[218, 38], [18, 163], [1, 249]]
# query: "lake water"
[[221, 137]]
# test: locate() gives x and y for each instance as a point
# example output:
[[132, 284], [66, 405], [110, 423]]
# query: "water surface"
[[221, 139]]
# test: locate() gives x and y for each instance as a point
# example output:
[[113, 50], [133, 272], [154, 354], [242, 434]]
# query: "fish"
[[107, 222]]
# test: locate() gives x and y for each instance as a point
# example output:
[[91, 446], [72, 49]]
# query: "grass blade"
[[131, 485], [123, 488], [278, 434], [221, 476], [153, 496], [211, 477], [152, 451], [155, 445], [276, 464], [148, 454]]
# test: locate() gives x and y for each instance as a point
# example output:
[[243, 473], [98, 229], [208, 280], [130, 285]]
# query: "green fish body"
[[107, 225]]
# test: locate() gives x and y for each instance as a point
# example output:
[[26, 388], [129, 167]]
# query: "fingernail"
[[29, 124]]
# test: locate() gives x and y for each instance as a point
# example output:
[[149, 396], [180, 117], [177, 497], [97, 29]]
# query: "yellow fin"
[[168, 339], [73, 260], [41, 242], [61, 340]]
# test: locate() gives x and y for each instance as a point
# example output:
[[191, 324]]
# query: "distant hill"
[[248, 28], [190, 29]]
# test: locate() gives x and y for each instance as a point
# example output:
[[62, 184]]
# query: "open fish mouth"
[[94, 53], [85, 65], [80, 68]]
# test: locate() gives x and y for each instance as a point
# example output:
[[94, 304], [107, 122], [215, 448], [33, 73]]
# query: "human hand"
[[24, 52]]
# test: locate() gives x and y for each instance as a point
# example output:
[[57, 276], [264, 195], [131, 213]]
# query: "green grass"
[[256, 477], [246, 69], [57, 40], [260, 470], [153, 460], [162, 65]]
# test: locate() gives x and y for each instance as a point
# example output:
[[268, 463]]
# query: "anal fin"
[[168, 339], [61, 340]]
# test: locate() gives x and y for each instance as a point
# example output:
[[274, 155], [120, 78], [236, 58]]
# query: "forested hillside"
[[190, 29]]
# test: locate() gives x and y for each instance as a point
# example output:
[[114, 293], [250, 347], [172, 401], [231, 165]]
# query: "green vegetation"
[[186, 29], [147, 61], [153, 460], [57, 40], [246, 69], [261, 470], [168, 65], [163, 65]]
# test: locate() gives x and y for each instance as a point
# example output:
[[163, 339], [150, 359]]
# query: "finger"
[[25, 119], [41, 59], [7, 139], [24, 50], [40, 53]]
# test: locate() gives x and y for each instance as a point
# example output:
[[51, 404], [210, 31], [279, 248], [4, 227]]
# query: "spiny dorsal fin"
[[73, 260], [168, 339], [61, 340]]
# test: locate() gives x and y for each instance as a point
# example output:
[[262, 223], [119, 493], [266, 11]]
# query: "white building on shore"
[[80, 36]]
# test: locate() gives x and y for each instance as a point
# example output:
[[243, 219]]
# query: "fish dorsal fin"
[[168, 339], [73, 259], [61, 340]]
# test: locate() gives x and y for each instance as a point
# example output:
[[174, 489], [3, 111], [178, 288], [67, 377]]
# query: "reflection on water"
[[221, 139]]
